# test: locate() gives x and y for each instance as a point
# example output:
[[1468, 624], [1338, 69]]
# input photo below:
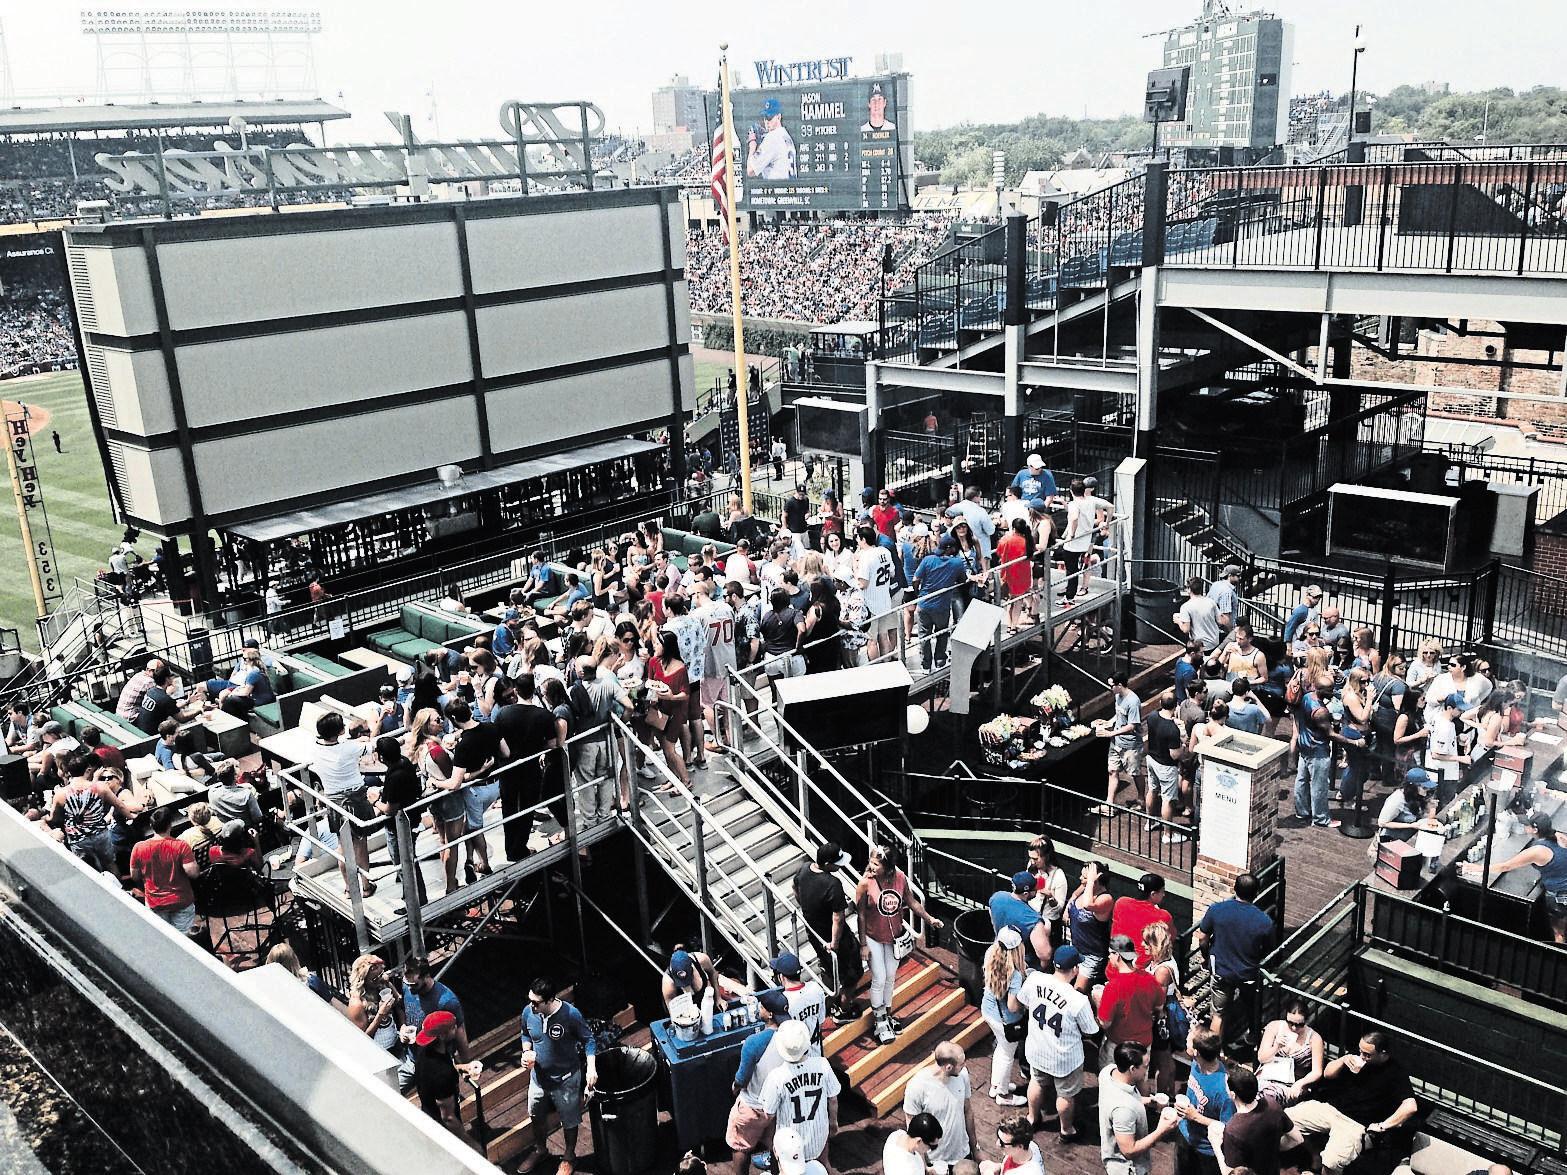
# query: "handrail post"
[[572, 848], [1322, 214], [770, 914], [1528, 199], [410, 871], [1382, 216], [1452, 215], [699, 847]]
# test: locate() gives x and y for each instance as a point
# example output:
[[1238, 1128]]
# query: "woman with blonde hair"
[[1004, 968], [372, 1000], [448, 814], [1159, 945], [1426, 665]]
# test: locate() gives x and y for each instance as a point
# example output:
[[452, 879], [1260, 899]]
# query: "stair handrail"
[[909, 845], [767, 914]]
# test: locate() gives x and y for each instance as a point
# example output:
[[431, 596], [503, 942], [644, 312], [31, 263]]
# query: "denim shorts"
[[566, 1097], [476, 800]]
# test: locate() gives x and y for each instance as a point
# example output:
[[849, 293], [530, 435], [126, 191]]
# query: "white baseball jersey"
[[876, 575], [719, 620], [808, 1005], [796, 1095], [1059, 1017], [773, 157]]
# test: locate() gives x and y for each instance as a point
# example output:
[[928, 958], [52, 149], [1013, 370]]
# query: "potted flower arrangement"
[[1001, 740], [1055, 707]]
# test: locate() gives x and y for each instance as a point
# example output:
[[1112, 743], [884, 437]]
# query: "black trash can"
[[974, 933], [623, 1112], [1154, 603]]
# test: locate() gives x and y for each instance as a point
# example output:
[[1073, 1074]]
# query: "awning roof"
[[20, 120], [432, 491]]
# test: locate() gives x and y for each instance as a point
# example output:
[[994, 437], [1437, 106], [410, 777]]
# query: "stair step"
[[921, 974], [942, 1001], [886, 1088]]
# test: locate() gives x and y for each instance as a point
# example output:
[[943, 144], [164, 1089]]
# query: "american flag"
[[720, 165]]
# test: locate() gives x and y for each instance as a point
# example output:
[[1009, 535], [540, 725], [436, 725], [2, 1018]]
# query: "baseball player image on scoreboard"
[[802, 1093], [878, 111], [772, 156]]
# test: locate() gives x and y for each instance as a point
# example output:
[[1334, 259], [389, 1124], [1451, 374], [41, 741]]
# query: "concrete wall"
[[348, 1118]]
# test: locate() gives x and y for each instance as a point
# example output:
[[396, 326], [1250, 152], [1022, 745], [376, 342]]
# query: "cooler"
[[701, 1073], [1399, 865]]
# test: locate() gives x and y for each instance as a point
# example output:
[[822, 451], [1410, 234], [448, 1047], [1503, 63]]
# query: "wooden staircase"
[[503, 1085], [927, 998]]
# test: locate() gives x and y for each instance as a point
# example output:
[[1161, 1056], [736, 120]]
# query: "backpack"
[[1295, 691]]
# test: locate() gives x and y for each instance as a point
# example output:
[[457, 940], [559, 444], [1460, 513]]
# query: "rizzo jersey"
[[1058, 1018]]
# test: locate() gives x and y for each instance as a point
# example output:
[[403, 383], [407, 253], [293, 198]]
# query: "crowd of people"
[[35, 329], [821, 272]]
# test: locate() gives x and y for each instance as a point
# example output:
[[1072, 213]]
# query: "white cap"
[[919, 531], [1035, 461], [789, 1151], [793, 1039]]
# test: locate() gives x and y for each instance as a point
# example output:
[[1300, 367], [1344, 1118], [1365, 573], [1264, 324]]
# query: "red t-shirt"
[[885, 519], [160, 864], [1131, 916], [1127, 1009], [656, 598]]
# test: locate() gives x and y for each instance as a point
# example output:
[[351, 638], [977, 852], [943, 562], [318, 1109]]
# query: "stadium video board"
[[829, 147]]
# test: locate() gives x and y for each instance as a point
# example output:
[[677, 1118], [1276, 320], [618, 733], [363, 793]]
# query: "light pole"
[[1485, 122], [1354, 78]]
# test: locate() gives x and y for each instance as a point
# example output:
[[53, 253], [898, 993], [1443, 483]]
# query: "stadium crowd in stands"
[[825, 272], [35, 330]]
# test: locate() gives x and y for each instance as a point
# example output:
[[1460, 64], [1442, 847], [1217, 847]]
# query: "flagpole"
[[742, 375]]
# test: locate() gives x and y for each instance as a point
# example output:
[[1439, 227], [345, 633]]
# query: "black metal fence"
[[918, 465], [1504, 216], [1316, 964], [1549, 476]]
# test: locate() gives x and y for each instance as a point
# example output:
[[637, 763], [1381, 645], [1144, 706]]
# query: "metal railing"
[[1315, 965]]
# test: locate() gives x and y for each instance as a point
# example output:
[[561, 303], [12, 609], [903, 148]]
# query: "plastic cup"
[[1163, 1099], [1181, 1101]]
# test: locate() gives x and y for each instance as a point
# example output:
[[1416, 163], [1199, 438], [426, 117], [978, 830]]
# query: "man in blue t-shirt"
[[1237, 936], [503, 641], [1035, 482], [555, 1040], [542, 582], [1012, 908], [748, 1120], [423, 994], [933, 615]]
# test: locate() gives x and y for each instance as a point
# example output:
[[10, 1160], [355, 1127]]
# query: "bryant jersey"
[[1058, 1018], [808, 1005], [796, 1095]]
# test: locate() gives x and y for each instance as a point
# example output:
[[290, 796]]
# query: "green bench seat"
[[326, 665]]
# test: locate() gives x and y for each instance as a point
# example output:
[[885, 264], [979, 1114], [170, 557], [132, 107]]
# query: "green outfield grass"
[[75, 495]]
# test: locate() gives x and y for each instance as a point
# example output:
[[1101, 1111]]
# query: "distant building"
[[1239, 93], [681, 108]]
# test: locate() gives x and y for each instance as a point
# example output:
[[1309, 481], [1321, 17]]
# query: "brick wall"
[[1550, 562], [1213, 880], [1546, 422]]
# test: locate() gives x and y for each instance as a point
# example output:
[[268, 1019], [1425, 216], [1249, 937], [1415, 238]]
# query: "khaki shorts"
[[1168, 779], [1124, 762], [1069, 1086], [886, 625], [747, 1126], [714, 690]]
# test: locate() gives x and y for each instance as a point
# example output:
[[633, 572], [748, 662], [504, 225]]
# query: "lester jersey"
[[808, 1005], [796, 1095], [1058, 1018]]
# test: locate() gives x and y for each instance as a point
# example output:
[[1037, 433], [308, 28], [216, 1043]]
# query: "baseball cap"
[[948, 544], [919, 531], [1024, 880], [1420, 778], [251, 642], [1066, 957], [405, 674], [51, 728], [1541, 823], [788, 963], [789, 1152], [771, 107], [793, 1039], [388, 691], [800, 489], [1313, 590], [1456, 700], [1123, 945], [1009, 938], [433, 1023], [680, 967], [774, 1001], [830, 856], [876, 89], [1035, 461], [1350, 732], [232, 827], [1231, 569]]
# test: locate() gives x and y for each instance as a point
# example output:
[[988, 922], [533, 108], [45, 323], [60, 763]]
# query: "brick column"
[[1238, 776]]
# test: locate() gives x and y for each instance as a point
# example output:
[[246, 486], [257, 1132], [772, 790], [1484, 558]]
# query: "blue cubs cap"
[[774, 1001], [680, 967], [1024, 880], [788, 963], [1420, 777], [771, 107], [1066, 957]]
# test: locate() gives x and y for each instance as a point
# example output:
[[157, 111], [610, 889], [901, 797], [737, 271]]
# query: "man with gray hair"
[[943, 1091]]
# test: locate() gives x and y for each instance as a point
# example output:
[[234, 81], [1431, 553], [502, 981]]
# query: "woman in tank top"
[[883, 899], [1291, 1039], [372, 1001], [1088, 924]]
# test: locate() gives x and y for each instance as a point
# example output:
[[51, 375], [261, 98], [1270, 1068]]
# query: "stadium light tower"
[[1354, 78]]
